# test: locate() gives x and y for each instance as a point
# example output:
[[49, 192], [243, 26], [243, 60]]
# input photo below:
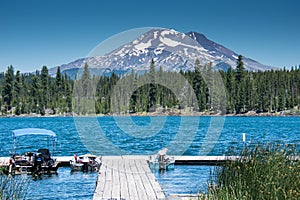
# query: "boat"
[[161, 161], [37, 162], [85, 163]]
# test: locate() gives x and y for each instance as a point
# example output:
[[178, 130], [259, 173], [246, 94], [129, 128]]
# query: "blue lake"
[[145, 136]]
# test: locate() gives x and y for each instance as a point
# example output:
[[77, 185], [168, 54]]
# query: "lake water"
[[64, 185], [142, 135]]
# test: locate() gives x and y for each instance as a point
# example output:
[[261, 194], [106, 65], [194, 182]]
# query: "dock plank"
[[137, 180], [154, 183], [132, 189], [140, 165], [124, 182], [107, 194], [100, 183], [116, 185], [125, 178]]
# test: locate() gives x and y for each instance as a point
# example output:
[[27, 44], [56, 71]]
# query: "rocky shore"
[[168, 112]]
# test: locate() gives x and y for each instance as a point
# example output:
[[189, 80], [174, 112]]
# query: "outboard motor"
[[38, 163], [161, 158], [161, 161]]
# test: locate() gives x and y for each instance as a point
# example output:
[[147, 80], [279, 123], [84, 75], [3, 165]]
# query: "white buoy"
[[244, 137]]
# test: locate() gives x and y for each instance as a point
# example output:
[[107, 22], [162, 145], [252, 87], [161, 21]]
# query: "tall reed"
[[261, 172], [13, 187]]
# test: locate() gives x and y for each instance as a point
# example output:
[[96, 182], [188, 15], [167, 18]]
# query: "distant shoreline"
[[161, 114]]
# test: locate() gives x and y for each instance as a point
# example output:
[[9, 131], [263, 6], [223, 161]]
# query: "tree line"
[[235, 91], [27, 93]]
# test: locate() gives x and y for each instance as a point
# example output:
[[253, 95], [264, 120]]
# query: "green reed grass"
[[13, 187], [261, 172]]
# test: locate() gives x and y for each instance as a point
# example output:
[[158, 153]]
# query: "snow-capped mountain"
[[170, 49]]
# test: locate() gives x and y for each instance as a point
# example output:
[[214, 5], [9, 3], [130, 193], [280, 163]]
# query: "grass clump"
[[261, 172], [13, 187]]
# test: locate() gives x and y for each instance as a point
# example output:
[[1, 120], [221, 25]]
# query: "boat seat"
[[44, 154]]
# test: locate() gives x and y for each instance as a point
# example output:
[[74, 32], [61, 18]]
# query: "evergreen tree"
[[17, 87], [240, 69], [57, 82], [17, 93], [240, 89], [68, 95], [7, 92], [230, 89], [35, 94], [133, 98], [198, 86], [24, 95], [45, 86], [85, 80], [152, 88]]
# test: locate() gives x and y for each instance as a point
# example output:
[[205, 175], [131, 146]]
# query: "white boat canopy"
[[33, 131]]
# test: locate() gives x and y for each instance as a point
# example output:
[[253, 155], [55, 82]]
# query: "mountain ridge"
[[170, 49]]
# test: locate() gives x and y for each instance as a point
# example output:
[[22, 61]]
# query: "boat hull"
[[86, 163]]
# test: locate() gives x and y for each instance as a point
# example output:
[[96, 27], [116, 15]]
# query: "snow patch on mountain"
[[142, 46]]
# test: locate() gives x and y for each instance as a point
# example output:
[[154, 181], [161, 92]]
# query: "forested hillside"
[[26, 93], [243, 91]]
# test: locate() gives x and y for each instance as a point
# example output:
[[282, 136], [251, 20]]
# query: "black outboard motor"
[[38, 160]]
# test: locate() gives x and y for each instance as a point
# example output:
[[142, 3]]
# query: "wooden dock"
[[126, 178], [130, 178], [64, 161]]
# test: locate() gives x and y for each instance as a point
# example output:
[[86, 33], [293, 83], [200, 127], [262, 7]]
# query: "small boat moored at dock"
[[35, 163], [85, 163], [161, 161]]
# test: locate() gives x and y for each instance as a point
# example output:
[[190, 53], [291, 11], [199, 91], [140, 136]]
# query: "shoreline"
[[165, 114]]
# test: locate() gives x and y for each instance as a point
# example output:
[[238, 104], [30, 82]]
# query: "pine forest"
[[235, 91]]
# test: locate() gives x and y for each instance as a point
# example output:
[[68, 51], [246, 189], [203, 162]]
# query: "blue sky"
[[35, 33]]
